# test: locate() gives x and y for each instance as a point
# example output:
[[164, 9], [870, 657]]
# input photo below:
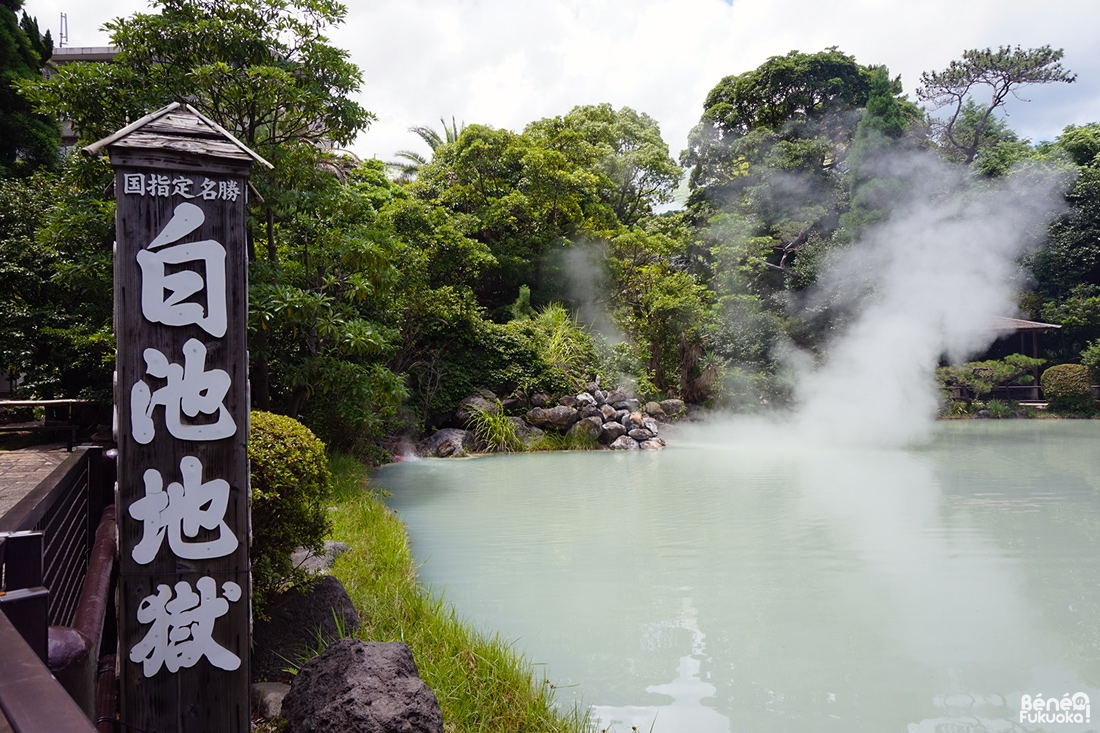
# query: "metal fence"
[[46, 543]]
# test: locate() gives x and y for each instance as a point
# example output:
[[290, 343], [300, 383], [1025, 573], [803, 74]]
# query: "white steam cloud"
[[929, 281]]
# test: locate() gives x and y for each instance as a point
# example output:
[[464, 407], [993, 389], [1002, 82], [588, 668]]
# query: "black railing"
[[56, 569]]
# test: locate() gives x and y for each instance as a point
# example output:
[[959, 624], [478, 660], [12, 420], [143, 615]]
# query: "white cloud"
[[505, 63]]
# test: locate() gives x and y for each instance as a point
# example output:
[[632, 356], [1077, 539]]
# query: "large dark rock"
[[585, 400], [624, 442], [446, 442], [297, 619], [484, 402], [559, 417], [611, 432], [361, 687], [589, 426], [515, 404], [673, 407]]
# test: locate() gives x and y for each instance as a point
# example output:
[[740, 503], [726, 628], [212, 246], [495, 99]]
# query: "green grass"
[[481, 682], [493, 430]]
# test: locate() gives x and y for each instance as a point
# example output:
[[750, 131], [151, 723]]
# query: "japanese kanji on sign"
[[181, 400]]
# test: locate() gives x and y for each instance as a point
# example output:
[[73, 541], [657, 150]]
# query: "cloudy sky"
[[507, 62]]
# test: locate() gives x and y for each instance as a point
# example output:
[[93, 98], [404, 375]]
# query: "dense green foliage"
[[383, 294], [979, 378], [1067, 388], [27, 140], [55, 286], [290, 486]]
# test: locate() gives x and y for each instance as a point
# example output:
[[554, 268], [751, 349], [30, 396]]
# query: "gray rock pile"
[[615, 419]]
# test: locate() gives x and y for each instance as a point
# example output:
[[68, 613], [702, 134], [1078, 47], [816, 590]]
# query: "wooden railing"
[[57, 548]]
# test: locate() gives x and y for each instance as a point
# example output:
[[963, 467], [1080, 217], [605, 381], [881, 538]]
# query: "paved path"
[[22, 470]]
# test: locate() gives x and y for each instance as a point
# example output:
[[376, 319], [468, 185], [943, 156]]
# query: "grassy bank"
[[481, 682]]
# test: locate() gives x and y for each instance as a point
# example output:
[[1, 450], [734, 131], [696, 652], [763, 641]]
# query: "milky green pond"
[[744, 584]]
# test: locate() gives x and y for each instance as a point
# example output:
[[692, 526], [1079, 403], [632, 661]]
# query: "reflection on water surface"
[[760, 585]]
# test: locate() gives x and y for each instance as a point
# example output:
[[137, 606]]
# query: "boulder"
[[651, 425], [515, 404], [673, 407], [590, 426], [611, 432], [541, 399], [569, 400], [532, 436], [592, 387], [615, 395], [267, 698], [446, 442], [609, 413], [624, 442], [585, 400], [297, 618], [560, 417], [592, 411], [653, 444], [477, 401], [319, 562], [640, 434], [653, 409], [361, 687]]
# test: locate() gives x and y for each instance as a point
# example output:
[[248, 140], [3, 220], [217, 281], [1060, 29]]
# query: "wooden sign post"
[[182, 405]]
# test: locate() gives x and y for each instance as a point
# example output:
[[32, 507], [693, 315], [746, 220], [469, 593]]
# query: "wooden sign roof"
[[178, 128]]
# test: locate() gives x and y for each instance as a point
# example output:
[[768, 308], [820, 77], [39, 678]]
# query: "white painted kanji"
[[162, 185], [182, 628], [191, 390], [164, 296], [180, 512]]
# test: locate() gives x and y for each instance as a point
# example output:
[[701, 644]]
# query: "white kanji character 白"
[[163, 295]]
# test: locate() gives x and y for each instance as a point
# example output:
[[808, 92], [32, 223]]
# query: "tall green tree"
[[410, 160], [999, 74], [27, 139], [265, 70]]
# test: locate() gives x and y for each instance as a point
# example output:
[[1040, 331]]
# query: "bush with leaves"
[[980, 378], [565, 347], [1068, 388], [290, 483], [495, 431]]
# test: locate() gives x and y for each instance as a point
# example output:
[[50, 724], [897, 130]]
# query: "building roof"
[[1018, 324], [69, 54], [178, 128]]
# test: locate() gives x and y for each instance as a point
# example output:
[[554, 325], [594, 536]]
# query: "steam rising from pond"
[[928, 281]]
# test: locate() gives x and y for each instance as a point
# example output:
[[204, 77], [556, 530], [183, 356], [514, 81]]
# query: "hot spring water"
[[769, 586]]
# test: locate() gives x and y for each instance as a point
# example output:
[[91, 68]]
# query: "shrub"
[[494, 431], [1067, 388], [982, 377], [1090, 357], [290, 482]]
